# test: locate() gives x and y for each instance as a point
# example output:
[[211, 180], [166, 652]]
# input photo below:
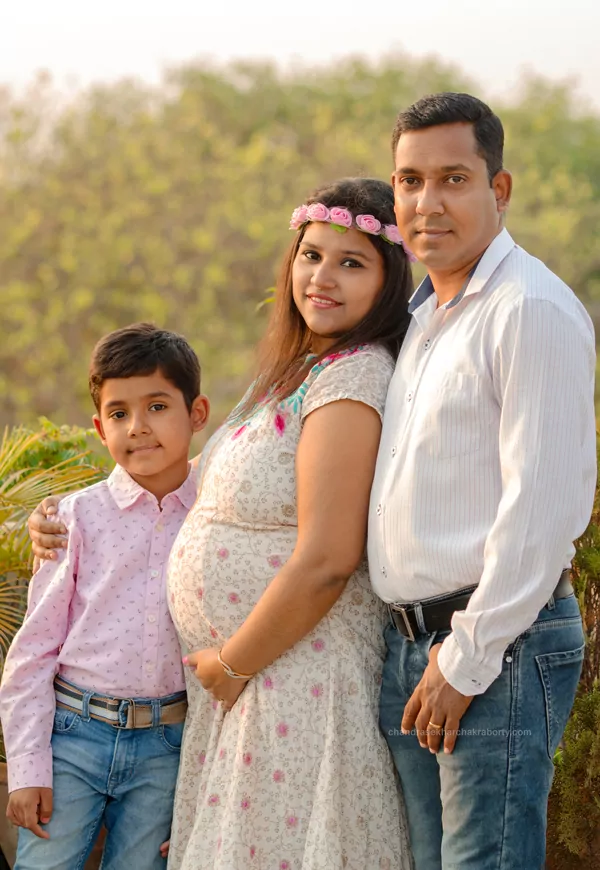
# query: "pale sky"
[[81, 41]]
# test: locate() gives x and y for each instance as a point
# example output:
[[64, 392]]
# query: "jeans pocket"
[[65, 721], [171, 736], [559, 672]]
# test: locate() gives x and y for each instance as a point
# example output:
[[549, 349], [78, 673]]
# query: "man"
[[485, 476]]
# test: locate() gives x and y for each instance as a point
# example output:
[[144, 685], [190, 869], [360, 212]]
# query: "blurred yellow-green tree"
[[171, 204]]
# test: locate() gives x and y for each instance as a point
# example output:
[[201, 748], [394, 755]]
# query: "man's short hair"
[[451, 108]]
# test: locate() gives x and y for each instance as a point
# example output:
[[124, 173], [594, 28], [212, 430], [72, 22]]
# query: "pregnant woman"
[[268, 579]]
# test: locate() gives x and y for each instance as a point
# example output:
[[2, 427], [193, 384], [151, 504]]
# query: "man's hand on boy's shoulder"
[[30, 808]]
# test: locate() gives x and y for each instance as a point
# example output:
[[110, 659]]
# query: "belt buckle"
[[409, 632], [130, 721]]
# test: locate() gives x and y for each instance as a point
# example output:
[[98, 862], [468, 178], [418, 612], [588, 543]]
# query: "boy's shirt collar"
[[125, 491]]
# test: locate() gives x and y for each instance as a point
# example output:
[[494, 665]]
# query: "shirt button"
[[384, 571], [409, 397], [378, 510], [154, 573], [394, 451], [427, 344], [151, 618], [159, 527]]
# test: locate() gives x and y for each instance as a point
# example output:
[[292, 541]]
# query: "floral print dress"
[[297, 776]]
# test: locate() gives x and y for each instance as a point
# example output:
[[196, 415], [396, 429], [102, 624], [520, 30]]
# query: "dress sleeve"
[[363, 376]]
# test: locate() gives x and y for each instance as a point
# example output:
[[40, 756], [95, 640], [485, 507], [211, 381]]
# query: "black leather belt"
[[437, 612]]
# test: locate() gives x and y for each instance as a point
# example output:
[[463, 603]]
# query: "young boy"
[[92, 698]]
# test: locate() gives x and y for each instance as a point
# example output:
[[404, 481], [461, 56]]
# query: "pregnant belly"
[[216, 575]]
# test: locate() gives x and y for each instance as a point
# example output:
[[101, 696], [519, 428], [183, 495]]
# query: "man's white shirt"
[[487, 464]]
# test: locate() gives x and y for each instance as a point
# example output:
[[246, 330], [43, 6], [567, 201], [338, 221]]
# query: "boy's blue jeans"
[[103, 774], [484, 806]]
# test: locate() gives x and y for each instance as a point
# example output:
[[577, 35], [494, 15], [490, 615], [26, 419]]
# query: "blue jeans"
[[484, 806], [102, 774]]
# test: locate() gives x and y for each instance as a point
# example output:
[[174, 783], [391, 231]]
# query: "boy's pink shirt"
[[98, 616]]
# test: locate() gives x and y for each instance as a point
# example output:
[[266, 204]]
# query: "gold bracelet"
[[230, 672]]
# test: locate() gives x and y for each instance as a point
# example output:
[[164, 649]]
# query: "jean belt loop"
[[85, 706], [418, 611], [155, 712], [551, 603], [122, 714]]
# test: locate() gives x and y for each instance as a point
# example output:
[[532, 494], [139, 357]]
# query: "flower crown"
[[342, 220]]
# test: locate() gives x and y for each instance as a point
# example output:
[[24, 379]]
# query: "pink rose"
[[368, 224], [318, 212], [298, 217], [340, 216], [392, 234]]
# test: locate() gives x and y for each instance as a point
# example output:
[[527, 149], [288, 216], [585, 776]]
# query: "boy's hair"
[[141, 349]]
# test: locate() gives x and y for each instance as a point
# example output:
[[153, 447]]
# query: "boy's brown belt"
[[139, 714]]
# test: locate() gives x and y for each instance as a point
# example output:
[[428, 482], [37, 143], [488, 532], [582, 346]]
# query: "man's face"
[[447, 211]]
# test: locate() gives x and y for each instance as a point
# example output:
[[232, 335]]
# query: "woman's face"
[[336, 279]]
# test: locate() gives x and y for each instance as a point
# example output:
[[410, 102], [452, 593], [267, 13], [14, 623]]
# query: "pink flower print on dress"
[[252, 851], [222, 753], [318, 645], [223, 553], [214, 632], [245, 803], [180, 552], [282, 729], [291, 821], [268, 683], [247, 758], [202, 757], [214, 800], [278, 776], [317, 690], [285, 865], [239, 432], [274, 561], [215, 704], [279, 424], [219, 841], [234, 598], [200, 593]]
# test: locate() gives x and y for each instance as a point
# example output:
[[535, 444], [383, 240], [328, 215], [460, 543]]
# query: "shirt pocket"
[[455, 418]]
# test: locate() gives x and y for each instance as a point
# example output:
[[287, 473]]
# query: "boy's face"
[[147, 428]]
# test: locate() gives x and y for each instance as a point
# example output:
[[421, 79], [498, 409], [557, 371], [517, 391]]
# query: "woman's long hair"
[[283, 363]]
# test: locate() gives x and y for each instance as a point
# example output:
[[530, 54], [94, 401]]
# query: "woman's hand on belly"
[[213, 677]]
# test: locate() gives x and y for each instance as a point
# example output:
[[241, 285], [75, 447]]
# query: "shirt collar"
[[125, 491], [494, 254]]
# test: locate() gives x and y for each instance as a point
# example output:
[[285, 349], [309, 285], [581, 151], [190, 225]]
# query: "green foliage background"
[[172, 203]]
